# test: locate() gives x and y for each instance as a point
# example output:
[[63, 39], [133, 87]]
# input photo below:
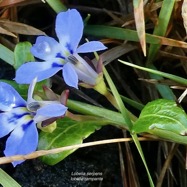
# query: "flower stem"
[[78, 117], [102, 89]]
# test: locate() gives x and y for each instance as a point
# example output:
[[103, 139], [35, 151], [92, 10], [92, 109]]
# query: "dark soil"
[[100, 161]]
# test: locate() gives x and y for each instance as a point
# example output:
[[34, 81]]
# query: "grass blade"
[[127, 119], [161, 27], [138, 146], [7, 55], [56, 5], [119, 101], [130, 35], [6, 180], [166, 75]]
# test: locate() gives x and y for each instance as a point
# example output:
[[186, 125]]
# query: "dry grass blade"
[[183, 95], [166, 165], [171, 42], [132, 172], [20, 28], [172, 55], [122, 166], [8, 3], [36, 154], [6, 32], [116, 19], [114, 53], [140, 23]]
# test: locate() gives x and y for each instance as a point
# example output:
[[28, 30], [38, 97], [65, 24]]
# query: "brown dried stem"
[[4, 160]]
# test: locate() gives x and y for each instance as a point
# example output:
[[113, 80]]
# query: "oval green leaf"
[[68, 132], [22, 54], [164, 119]]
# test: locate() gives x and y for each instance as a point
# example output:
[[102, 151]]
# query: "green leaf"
[[68, 132], [6, 180], [161, 26], [132, 103], [160, 30], [129, 35], [22, 54], [163, 74], [164, 90], [115, 118], [6, 54], [165, 119], [56, 5]]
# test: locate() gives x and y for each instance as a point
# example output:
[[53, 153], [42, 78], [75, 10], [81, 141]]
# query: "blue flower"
[[62, 55], [19, 118]]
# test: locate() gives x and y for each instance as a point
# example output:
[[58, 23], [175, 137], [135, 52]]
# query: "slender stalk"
[[102, 89], [119, 101], [166, 75], [138, 146]]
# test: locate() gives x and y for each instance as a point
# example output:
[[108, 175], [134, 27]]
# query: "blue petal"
[[9, 97], [49, 111], [69, 29], [70, 75], [91, 47], [42, 70], [10, 120], [23, 140], [5, 127], [45, 48]]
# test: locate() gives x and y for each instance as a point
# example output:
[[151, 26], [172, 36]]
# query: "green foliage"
[[68, 132], [56, 5], [161, 28], [6, 54], [161, 118], [164, 90], [22, 54], [119, 101], [129, 35], [165, 119], [115, 118], [6, 180], [127, 120], [175, 78]]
